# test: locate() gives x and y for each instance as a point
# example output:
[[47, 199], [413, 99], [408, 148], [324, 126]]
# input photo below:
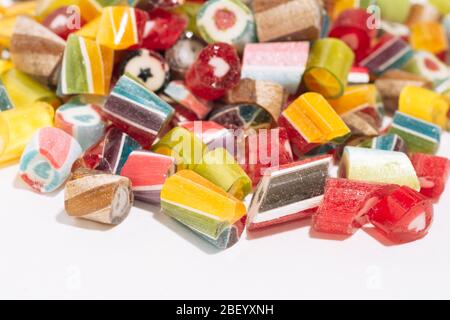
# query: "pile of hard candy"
[[198, 104]]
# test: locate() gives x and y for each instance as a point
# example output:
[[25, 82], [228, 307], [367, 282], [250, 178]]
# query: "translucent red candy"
[[403, 215], [163, 30], [216, 70], [63, 21], [433, 172]]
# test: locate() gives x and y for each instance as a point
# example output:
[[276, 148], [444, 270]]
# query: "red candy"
[[432, 172], [216, 70], [403, 215], [64, 21]]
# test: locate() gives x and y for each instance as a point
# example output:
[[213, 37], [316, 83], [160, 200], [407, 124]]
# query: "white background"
[[46, 254]]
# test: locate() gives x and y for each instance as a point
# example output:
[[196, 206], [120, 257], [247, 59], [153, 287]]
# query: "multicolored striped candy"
[[388, 142], [48, 158], [288, 193], [147, 172], [136, 110], [179, 92], [419, 135], [82, 121], [200, 205]]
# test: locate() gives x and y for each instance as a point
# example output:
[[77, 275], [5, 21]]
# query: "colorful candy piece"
[[391, 52], [353, 28], [91, 9], [98, 196], [388, 142], [288, 193], [220, 167], [361, 109], [90, 29], [215, 71], [403, 215], [433, 172], [286, 67], [242, 116], [268, 95], [422, 12], [427, 65], [391, 84], [121, 27], [395, 11], [147, 66], [424, 104], [82, 121], [212, 134], [228, 21], [18, 125], [35, 49], [179, 92], [324, 73], [137, 111], [44, 8], [228, 237], [429, 36], [154, 4], [358, 75], [48, 158], [86, 67], [419, 135], [287, 20], [111, 152], [182, 114], [190, 10], [345, 205], [63, 21], [384, 167], [5, 100], [311, 121], [147, 172], [199, 204]]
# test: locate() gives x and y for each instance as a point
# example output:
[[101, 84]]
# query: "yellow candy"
[[24, 90], [27, 7], [424, 104], [6, 30], [429, 36], [90, 29], [5, 65], [18, 125], [355, 97], [45, 7]]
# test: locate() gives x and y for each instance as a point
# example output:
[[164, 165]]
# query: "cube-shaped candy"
[[433, 172], [216, 70], [284, 20], [269, 95], [121, 27], [324, 73], [48, 158], [403, 215], [111, 152], [289, 192], [199, 204], [147, 172], [179, 92], [427, 65], [183, 54], [311, 121], [137, 111], [429, 36], [18, 125], [148, 66], [86, 67], [212, 134], [242, 116], [361, 109], [64, 20], [383, 167], [346, 204], [220, 167], [390, 52], [228, 21], [419, 135], [36, 50], [279, 62], [98, 196], [424, 104], [388, 142], [82, 121]]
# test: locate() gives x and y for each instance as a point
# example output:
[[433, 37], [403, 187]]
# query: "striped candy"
[[388, 142], [48, 158], [419, 135], [137, 111], [81, 121], [181, 94], [288, 193], [242, 116], [148, 171]]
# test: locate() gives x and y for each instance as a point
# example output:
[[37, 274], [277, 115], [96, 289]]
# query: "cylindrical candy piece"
[[98, 196], [216, 70], [383, 167], [48, 158], [82, 121], [228, 21], [328, 67], [183, 54], [429, 36], [18, 125], [147, 172], [395, 11]]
